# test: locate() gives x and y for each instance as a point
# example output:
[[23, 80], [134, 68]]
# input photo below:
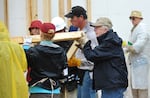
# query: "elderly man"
[[138, 49], [110, 71]]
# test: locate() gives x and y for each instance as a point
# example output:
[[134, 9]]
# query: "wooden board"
[[34, 9], [89, 9], [58, 37], [6, 12], [69, 4], [72, 50], [31, 11]]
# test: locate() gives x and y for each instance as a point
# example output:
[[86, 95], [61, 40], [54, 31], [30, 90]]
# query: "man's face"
[[35, 31], [100, 30], [135, 21], [77, 21]]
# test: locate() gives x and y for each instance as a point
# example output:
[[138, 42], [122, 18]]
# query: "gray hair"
[[106, 27]]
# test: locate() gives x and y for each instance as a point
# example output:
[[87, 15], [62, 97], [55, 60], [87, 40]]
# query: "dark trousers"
[[44, 96]]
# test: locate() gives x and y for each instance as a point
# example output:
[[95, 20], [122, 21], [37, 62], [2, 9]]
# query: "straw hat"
[[137, 14]]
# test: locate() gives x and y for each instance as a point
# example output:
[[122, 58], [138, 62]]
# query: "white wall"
[[40, 9], [17, 17], [79, 2], [117, 10], [55, 8]]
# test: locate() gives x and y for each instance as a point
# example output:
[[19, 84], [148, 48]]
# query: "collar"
[[48, 43], [45, 42]]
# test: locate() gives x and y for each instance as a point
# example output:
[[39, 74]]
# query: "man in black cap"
[[78, 18]]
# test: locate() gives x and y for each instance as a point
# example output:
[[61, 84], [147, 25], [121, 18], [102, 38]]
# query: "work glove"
[[83, 40], [128, 47], [74, 62], [27, 42]]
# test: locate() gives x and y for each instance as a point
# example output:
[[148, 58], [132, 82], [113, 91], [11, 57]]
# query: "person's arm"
[[141, 41], [29, 57], [23, 60], [100, 52]]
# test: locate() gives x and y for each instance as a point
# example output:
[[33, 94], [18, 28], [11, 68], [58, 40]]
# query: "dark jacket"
[[71, 82], [65, 45], [110, 69], [46, 62]]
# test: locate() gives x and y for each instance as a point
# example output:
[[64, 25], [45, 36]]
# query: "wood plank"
[[6, 12], [72, 50], [46, 10], [89, 10], [34, 9], [69, 4], [31, 12], [28, 14], [58, 37]]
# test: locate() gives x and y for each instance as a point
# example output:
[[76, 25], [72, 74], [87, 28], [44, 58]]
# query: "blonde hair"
[[48, 36]]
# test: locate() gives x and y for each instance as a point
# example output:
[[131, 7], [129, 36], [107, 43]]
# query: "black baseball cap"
[[76, 11]]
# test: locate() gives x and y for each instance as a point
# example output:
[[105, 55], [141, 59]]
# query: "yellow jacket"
[[12, 66]]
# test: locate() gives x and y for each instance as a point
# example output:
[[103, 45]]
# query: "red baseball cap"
[[35, 24], [46, 27]]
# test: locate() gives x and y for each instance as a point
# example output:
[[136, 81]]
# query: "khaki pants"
[[44, 96], [138, 93]]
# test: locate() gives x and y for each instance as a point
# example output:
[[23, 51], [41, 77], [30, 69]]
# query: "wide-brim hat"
[[137, 14]]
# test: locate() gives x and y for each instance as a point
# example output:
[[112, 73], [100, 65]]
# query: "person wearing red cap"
[[48, 64], [35, 27]]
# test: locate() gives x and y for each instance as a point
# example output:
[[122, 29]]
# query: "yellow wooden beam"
[[46, 10], [72, 50], [6, 12], [58, 37], [89, 10], [34, 11], [28, 13], [31, 11], [69, 5]]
